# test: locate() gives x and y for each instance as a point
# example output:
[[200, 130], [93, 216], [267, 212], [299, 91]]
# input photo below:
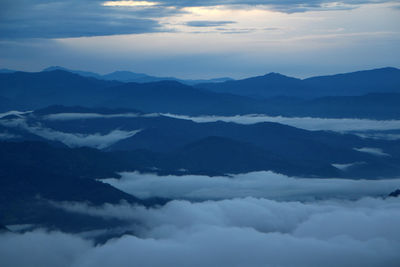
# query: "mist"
[[96, 140], [255, 184], [307, 123], [235, 232], [79, 116]]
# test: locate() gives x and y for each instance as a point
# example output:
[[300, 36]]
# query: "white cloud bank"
[[255, 184], [238, 232], [307, 123]]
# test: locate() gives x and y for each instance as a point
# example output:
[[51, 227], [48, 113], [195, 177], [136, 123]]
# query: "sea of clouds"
[[230, 232], [254, 219]]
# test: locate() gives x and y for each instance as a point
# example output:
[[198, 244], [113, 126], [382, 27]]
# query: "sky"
[[201, 39]]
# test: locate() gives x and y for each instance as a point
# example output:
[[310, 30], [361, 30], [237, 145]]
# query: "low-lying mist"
[[234, 232], [264, 184]]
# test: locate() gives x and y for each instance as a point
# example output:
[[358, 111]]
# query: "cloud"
[[237, 232], [344, 167], [40, 248], [384, 136], [79, 116], [19, 114], [6, 135], [256, 184], [307, 123], [372, 150], [66, 19], [207, 23], [96, 140]]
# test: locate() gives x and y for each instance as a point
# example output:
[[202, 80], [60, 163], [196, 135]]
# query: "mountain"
[[395, 193], [272, 84], [174, 97], [41, 89], [128, 76], [216, 154], [33, 174], [28, 91], [6, 71], [79, 72], [381, 106], [384, 80], [38, 90]]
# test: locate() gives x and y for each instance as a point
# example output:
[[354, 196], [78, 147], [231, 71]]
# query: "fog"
[[307, 123], [255, 184], [96, 140], [235, 232], [373, 150], [78, 116]]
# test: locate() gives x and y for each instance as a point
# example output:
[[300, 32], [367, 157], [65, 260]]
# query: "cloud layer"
[[65, 19], [237, 232], [307, 123], [256, 184]]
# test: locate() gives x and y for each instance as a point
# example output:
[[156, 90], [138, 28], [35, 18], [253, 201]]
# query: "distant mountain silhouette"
[[372, 106], [272, 84], [79, 72], [33, 90], [384, 80], [172, 96], [128, 76], [28, 91], [6, 71]]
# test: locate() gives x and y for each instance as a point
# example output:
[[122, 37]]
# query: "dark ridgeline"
[[367, 94], [384, 80]]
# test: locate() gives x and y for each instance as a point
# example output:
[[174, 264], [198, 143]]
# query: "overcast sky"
[[201, 39]]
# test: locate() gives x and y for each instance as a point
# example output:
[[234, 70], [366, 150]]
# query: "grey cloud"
[[65, 19], [207, 23], [256, 184], [287, 6], [237, 232]]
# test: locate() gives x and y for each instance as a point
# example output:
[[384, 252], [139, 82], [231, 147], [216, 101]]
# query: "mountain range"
[[384, 80], [128, 76], [27, 91], [64, 131]]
